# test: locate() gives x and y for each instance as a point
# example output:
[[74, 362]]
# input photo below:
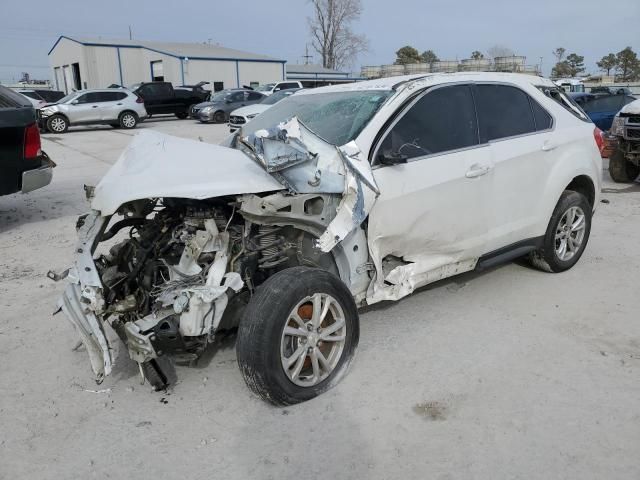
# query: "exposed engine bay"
[[183, 270]]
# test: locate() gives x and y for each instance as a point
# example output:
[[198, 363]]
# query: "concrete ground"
[[512, 373]]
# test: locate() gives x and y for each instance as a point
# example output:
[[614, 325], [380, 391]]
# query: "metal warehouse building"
[[80, 63]]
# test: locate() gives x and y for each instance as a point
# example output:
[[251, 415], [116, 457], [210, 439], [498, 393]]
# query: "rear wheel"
[[298, 335], [567, 234], [128, 120], [622, 170], [182, 115], [57, 124], [219, 117]]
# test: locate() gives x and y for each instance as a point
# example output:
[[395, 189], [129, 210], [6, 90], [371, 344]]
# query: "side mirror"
[[393, 158], [277, 89], [75, 102]]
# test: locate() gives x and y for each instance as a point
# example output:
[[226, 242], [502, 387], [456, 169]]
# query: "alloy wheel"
[[570, 233], [313, 340]]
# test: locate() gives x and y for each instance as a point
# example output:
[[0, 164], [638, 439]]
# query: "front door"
[[431, 215]]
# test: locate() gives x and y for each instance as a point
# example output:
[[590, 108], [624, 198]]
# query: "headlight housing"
[[617, 127], [206, 109], [249, 117], [46, 111]]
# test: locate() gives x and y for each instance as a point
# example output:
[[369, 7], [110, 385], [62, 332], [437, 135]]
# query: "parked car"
[[24, 167], [118, 108], [162, 98], [239, 117], [43, 94], [34, 99], [334, 198], [601, 108], [612, 90], [217, 109], [270, 88], [624, 162]]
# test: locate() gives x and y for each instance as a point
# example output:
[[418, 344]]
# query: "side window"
[[443, 119], [86, 98], [113, 96], [543, 120], [566, 102], [237, 97], [611, 103], [255, 96], [164, 89], [503, 111]]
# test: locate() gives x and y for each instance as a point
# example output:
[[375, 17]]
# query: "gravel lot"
[[511, 373]]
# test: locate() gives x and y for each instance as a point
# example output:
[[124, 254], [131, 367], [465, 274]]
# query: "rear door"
[[85, 108], [519, 133], [112, 104], [432, 210], [254, 97]]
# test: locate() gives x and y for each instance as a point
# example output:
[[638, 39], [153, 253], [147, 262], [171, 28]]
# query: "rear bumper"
[[38, 177]]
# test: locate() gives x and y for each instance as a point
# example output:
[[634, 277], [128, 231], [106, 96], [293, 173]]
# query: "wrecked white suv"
[[334, 198]]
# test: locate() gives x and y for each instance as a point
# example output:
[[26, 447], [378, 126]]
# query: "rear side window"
[[33, 95], [503, 111], [112, 96], [11, 99], [543, 120], [442, 120], [565, 101], [255, 96]]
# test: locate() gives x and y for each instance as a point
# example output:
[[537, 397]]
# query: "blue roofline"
[[182, 57]]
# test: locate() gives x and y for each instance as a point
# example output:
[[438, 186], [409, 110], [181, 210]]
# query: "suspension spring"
[[271, 253]]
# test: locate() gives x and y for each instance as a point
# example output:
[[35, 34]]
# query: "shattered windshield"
[[336, 117]]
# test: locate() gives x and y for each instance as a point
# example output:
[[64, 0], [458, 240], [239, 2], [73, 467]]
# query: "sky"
[[279, 28]]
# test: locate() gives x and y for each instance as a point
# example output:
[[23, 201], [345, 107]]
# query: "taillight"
[[604, 146], [139, 100], [32, 145]]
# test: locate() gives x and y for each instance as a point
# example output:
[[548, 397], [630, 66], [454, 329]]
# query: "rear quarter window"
[[503, 111], [566, 102], [11, 99]]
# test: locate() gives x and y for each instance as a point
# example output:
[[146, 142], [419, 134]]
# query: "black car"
[[163, 98], [611, 90], [24, 167]]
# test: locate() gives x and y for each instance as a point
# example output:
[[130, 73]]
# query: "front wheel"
[[57, 124], [622, 170], [182, 115], [219, 117], [567, 234], [298, 335]]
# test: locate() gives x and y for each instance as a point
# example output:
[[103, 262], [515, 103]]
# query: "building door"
[[68, 79], [157, 71], [59, 79], [77, 83]]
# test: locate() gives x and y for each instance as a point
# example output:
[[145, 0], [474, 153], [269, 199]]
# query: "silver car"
[[118, 108]]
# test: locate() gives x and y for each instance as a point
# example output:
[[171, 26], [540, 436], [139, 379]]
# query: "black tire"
[[115, 125], [159, 372], [219, 117], [546, 258], [57, 124], [261, 328], [128, 120], [622, 170], [182, 115]]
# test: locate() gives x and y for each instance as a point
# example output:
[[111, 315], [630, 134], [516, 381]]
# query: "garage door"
[[157, 72]]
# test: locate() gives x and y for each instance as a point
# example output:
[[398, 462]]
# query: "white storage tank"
[[514, 63], [417, 68], [392, 70], [445, 66], [475, 65], [372, 71]]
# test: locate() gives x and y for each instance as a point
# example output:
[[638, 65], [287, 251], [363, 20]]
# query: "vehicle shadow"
[[18, 209]]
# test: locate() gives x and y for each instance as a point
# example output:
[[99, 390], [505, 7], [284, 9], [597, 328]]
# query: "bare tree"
[[559, 53], [331, 32], [500, 51]]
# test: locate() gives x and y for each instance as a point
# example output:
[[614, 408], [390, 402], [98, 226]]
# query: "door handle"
[[548, 146], [94, 106], [477, 170], [118, 104]]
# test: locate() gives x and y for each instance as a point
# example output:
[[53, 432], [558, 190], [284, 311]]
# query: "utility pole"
[[306, 55], [540, 66], [130, 34]]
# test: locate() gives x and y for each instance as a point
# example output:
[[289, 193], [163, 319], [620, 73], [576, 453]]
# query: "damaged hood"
[[632, 108], [159, 165]]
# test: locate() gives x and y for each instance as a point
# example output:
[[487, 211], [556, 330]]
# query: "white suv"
[[270, 88], [116, 107], [333, 198]]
